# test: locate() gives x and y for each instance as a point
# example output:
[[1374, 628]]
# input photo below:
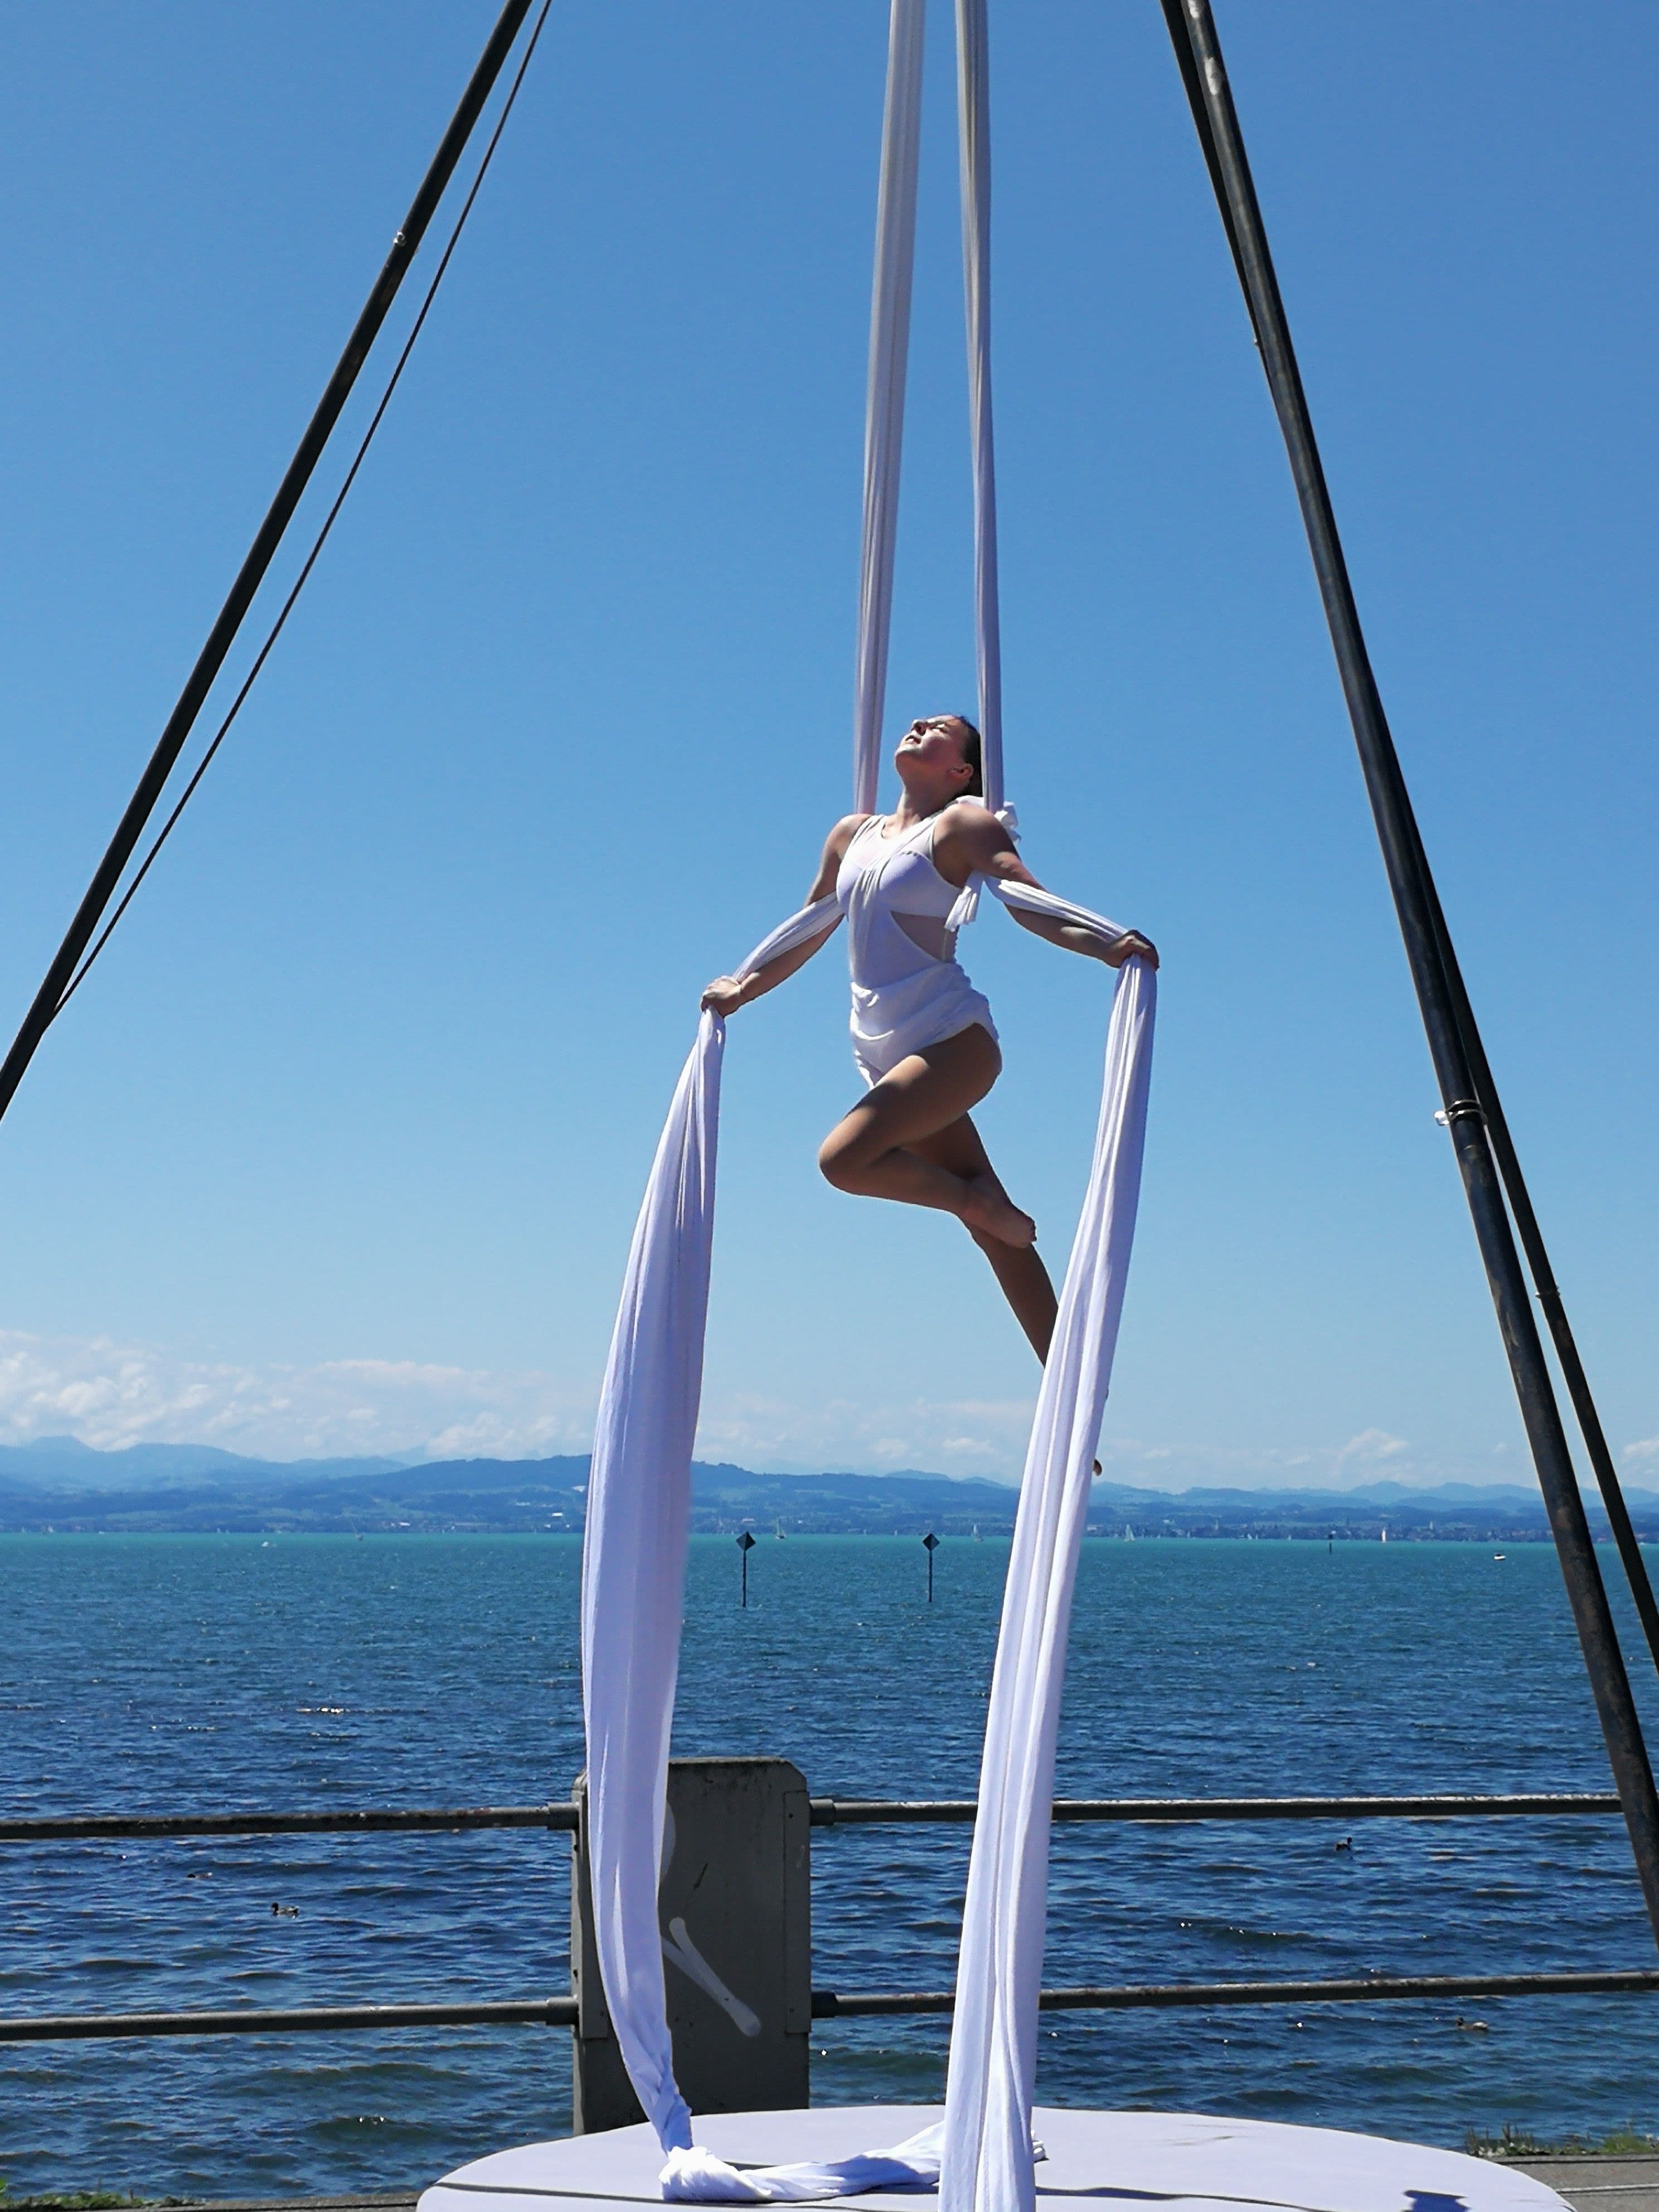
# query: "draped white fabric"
[[638, 1501], [987, 2159], [974, 118], [884, 416]]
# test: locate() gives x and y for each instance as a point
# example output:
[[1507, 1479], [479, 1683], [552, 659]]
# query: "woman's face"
[[932, 745]]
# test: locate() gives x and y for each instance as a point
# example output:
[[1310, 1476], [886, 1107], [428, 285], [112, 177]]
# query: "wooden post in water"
[[931, 1542]]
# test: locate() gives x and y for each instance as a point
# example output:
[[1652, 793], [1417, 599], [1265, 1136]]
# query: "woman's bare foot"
[[989, 1208]]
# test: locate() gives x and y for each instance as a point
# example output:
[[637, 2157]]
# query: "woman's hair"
[[973, 753]]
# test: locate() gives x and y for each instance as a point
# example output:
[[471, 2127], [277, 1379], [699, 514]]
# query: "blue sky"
[[341, 1148]]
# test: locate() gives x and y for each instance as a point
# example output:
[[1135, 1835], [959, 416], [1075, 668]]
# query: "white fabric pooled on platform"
[[698, 2177], [986, 2165]]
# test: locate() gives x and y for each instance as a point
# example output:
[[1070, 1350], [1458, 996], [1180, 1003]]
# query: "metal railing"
[[827, 1812], [827, 2004]]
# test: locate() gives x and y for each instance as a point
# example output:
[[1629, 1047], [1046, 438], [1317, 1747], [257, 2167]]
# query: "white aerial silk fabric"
[[639, 1504], [698, 2177], [974, 124], [883, 413], [986, 2164]]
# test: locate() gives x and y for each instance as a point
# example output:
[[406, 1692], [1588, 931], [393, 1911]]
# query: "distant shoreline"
[[1093, 1534], [187, 1490]]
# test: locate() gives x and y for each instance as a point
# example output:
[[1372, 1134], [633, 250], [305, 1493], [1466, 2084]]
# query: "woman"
[[922, 1037]]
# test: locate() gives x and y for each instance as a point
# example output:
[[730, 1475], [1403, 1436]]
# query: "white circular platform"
[[1175, 2161]]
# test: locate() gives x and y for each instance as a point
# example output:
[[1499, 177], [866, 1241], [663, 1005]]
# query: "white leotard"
[[907, 989]]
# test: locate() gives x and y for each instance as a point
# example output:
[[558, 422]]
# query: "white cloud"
[[956, 1436], [1648, 1449], [108, 1395], [1370, 1448]]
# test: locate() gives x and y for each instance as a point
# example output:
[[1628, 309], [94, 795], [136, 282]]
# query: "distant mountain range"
[[54, 1463], [58, 1485]]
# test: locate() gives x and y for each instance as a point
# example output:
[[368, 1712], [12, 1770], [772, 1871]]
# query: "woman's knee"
[[841, 1159]]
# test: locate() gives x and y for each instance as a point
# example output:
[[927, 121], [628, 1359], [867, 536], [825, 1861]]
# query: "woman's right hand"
[[724, 996]]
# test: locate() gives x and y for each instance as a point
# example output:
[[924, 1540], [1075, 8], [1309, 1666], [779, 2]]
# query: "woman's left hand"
[[1130, 946], [724, 996]]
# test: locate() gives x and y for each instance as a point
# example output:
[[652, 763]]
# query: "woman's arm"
[[726, 994], [973, 843]]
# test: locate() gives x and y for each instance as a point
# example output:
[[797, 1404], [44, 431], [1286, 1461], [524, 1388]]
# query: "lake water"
[[169, 1674]]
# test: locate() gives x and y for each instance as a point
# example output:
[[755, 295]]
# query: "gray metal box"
[[735, 1907]]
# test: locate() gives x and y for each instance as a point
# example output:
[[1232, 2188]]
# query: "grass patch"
[[1513, 2141], [74, 2200], [85, 2200]]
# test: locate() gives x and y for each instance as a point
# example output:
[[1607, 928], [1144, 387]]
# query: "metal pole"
[[1192, 22], [299, 2020], [1369, 1989], [825, 1813], [251, 575], [1544, 1284], [835, 2004]]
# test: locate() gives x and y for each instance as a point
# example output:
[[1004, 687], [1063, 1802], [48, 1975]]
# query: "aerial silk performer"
[[923, 1038]]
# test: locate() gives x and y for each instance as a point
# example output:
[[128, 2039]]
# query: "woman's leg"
[[874, 1149], [1020, 1274]]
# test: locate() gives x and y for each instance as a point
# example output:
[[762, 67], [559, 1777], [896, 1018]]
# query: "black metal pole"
[[1192, 22], [1548, 1291], [251, 575], [1525, 1221]]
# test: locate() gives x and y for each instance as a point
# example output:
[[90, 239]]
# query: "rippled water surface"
[[172, 1674]]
